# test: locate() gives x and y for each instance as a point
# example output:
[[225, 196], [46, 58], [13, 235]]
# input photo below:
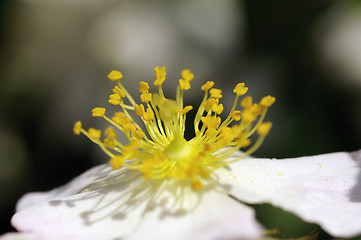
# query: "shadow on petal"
[[118, 194], [355, 195]]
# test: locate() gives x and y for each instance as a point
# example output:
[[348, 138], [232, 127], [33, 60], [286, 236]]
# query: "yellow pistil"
[[162, 152]]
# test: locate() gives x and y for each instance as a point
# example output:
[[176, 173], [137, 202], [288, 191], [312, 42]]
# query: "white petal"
[[19, 236], [324, 189], [119, 208], [72, 187]]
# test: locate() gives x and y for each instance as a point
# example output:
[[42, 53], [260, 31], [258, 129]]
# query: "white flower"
[[162, 186]]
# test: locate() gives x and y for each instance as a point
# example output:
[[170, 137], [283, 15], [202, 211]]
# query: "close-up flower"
[[162, 185]]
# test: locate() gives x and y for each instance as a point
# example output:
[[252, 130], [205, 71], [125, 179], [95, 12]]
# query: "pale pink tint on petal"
[[324, 189]]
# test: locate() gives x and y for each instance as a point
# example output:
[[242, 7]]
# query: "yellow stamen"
[[215, 93], [185, 110], [77, 127], [208, 85], [146, 97], [162, 152], [139, 110], [217, 108], [110, 143], [247, 102], [148, 115], [110, 133], [98, 112], [95, 133], [187, 75], [143, 87], [115, 75], [184, 85], [114, 99], [210, 103], [117, 162], [197, 185], [267, 101], [160, 74], [118, 91], [264, 128], [236, 115], [240, 89]]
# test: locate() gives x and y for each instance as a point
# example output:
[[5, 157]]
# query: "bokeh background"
[[55, 55]]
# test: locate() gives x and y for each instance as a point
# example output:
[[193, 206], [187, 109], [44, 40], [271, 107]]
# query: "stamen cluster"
[[162, 151]]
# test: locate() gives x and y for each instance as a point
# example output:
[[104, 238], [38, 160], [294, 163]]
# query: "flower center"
[[161, 152], [177, 150]]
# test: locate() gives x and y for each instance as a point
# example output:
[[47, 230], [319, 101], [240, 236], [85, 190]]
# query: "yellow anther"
[[248, 115], [114, 99], [77, 127], [264, 128], [240, 89], [148, 115], [139, 110], [147, 173], [98, 112], [209, 104], [267, 101], [115, 96], [121, 119], [196, 185], [110, 133], [228, 134], [187, 75], [128, 127], [110, 143], [216, 93], [146, 97], [143, 87], [94, 133], [159, 82], [208, 85], [120, 115], [115, 75], [211, 121], [211, 132], [139, 134], [157, 99], [129, 149], [160, 74], [243, 142], [118, 91], [117, 161], [167, 109], [185, 110], [247, 102], [184, 85], [236, 115], [217, 108]]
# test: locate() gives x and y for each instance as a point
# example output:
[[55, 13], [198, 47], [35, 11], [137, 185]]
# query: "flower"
[[161, 186]]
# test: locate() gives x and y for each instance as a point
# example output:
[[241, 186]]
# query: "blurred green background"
[[55, 55]]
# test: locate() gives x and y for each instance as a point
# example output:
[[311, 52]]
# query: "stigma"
[[155, 127]]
